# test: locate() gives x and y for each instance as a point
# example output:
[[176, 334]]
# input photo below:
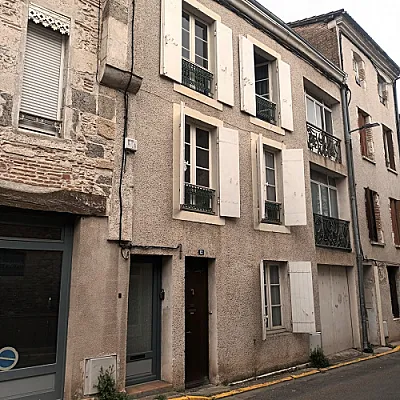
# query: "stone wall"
[[81, 159]]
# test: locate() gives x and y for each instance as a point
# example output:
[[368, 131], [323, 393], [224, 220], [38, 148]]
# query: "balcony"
[[323, 143], [272, 213], [196, 78], [331, 232], [198, 198], [266, 110]]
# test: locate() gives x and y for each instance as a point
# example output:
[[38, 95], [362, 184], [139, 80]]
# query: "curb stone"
[[284, 379]]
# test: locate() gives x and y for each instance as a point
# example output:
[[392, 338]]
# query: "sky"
[[380, 19]]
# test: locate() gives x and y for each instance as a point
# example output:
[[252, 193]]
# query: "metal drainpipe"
[[396, 110], [354, 218], [353, 205]]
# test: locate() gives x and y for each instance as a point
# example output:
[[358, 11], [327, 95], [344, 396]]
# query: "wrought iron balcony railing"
[[272, 212], [198, 198], [323, 143], [331, 232], [196, 78], [266, 110]]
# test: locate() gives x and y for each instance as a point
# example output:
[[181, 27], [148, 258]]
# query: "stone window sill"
[[392, 171], [197, 96], [369, 160], [267, 126], [191, 216], [397, 246], [377, 243], [265, 227], [277, 331]]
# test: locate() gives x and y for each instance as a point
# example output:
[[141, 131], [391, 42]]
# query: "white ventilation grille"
[[93, 367]]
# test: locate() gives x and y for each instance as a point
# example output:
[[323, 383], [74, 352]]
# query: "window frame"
[[192, 39], [329, 188], [267, 297], [324, 108], [58, 123], [394, 206], [371, 198], [388, 146], [193, 126], [382, 88]]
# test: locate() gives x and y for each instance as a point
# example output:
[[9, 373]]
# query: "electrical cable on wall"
[[125, 132]]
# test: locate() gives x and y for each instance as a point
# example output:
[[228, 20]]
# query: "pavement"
[[353, 375]]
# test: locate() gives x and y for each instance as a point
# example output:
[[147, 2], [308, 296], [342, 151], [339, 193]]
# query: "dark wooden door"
[[196, 321]]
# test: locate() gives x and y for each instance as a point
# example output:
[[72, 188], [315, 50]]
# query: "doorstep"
[[148, 389]]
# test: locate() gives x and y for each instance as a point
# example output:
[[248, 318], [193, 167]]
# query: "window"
[[265, 84], [373, 216], [389, 149], [393, 273], [319, 115], [41, 98], [272, 312], [272, 207], [366, 136], [324, 195], [280, 184], [359, 70], [265, 107], [206, 168], [196, 54], [199, 194], [382, 90], [395, 214]]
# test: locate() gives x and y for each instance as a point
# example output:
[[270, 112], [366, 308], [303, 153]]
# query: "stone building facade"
[[184, 196], [372, 84]]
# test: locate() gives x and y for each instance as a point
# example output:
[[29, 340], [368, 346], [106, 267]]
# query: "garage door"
[[337, 333]]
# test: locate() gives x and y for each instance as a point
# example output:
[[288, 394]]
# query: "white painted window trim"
[[202, 98], [329, 187], [266, 296], [278, 146], [177, 213], [324, 107]]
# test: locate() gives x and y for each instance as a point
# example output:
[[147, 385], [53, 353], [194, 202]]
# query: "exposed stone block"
[[95, 150], [116, 9], [106, 129], [83, 101], [106, 107], [6, 103]]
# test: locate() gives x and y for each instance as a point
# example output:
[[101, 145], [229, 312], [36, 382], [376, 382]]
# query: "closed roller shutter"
[[41, 82]]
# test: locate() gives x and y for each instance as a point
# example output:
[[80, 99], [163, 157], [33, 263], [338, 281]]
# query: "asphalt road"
[[376, 379]]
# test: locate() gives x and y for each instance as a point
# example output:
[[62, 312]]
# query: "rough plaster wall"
[[374, 175], [241, 352], [81, 160], [322, 38]]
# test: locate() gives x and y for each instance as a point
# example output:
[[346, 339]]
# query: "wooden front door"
[[196, 321]]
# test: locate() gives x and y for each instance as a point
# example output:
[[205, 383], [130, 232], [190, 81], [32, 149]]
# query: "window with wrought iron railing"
[[265, 107], [196, 55], [198, 192]]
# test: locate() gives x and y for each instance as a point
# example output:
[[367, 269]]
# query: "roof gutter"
[[269, 22]]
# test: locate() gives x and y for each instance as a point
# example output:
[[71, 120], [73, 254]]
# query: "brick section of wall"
[[322, 38]]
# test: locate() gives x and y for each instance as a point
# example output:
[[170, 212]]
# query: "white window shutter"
[[171, 39], [302, 297], [263, 301], [294, 197], [182, 155], [224, 72], [261, 177], [42, 72], [285, 96], [229, 181], [247, 76]]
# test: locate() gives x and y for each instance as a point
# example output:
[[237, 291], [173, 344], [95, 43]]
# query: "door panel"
[[196, 321], [143, 330], [337, 333]]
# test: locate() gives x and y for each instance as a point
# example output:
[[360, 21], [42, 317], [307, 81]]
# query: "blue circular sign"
[[8, 358]]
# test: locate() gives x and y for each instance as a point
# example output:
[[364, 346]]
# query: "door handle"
[[188, 332]]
